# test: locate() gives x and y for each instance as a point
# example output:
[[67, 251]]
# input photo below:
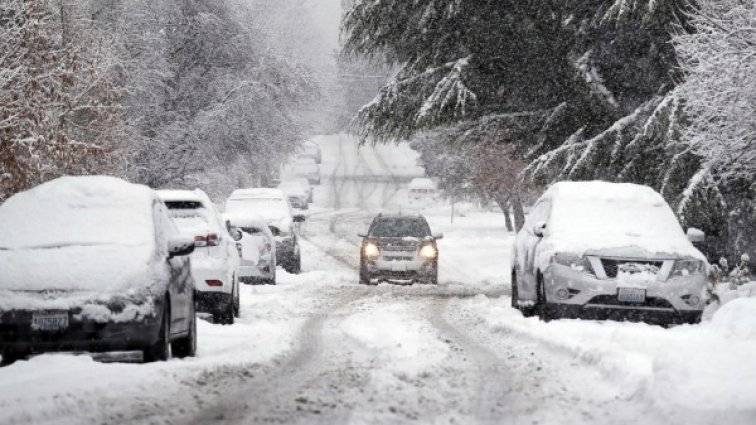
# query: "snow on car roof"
[[245, 220], [422, 183], [601, 216], [182, 195], [257, 193], [81, 210]]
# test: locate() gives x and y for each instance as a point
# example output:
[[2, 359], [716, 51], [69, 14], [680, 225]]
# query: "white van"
[[422, 189]]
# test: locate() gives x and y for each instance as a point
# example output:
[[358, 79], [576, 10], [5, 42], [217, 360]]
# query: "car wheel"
[[237, 301], [364, 278], [161, 349], [541, 307], [296, 264], [187, 346], [11, 356], [515, 292]]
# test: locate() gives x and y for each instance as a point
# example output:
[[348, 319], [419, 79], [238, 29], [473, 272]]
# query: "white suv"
[[215, 261]]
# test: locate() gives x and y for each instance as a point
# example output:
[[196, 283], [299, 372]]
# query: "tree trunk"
[[519, 213], [503, 203]]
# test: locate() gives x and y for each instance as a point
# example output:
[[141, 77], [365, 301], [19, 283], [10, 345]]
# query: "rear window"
[[192, 217], [183, 205], [399, 228]]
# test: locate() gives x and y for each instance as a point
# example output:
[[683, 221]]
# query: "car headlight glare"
[[371, 251], [428, 252], [575, 262]]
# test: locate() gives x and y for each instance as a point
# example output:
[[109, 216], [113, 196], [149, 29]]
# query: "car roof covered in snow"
[[82, 210], [422, 183], [257, 193], [183, 195], [245, 220], [601, 190]]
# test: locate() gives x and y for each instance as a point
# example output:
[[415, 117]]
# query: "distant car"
[[215, 261], [258, 249], [602, 250], [94, 264], [299, 194], [399, 248], [307, 168], [422, 189], [306, 185], [311, 149], [273, 206]]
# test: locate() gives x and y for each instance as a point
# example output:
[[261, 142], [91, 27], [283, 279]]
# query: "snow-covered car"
[[607, 251], [215, 261], [258, 249], [307, 168], [299, 194], [311, 150], [94, 264], [399, 248], [273, 206], [422, 190]]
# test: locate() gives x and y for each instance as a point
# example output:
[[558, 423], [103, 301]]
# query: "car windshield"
[[399, 228], [268, 208]]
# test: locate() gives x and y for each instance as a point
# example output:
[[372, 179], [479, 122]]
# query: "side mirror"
[[696, 235], [539, 229], [299, 218], [179, 246], [235, 233], [438, 236]]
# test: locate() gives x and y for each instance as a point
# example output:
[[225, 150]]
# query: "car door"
[[181, 283]]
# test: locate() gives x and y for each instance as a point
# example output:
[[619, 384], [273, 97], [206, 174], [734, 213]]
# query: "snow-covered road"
[[319, 348]]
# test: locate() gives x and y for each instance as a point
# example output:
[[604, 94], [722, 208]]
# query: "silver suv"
[[399, 248], [607, 251]]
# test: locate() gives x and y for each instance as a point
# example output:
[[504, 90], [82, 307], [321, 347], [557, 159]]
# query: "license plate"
[[399, 267], [50, 320], [631, 295]]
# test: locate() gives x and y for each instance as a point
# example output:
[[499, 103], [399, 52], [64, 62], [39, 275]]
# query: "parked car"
[[215, 261], [273, 206], [607, 251], [257, 249], [307, 168], [311, 150], [94, 264], [298, 194], [399, 248], [422, 190]]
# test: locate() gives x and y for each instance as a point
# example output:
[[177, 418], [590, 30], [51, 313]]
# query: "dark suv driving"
[[399, 248]]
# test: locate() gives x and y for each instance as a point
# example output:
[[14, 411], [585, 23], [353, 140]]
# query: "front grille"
[[611, 267], [611, 300]]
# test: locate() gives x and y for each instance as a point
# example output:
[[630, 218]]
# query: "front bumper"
[[82, 334], [573, 294], [413, 270]]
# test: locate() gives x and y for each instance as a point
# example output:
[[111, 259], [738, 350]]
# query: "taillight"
[[206, 240], [214, 283]]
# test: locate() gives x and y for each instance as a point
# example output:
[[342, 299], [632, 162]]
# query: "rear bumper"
[[16, 334], [212, 302]]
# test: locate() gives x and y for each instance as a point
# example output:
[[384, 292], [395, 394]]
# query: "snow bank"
[[708, 366]]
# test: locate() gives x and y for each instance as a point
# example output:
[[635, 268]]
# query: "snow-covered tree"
[[58, 109]]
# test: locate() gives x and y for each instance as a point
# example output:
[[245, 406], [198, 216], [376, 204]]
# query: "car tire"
[[364, 278], [542, 308], [515, 292], [10, 357], [225, 316], [187, 346], [236, 300], [161, 350], [295, 266]]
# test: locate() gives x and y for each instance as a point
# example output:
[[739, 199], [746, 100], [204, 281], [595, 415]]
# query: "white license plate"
[[401, 267], [50, 320], [631, 295]]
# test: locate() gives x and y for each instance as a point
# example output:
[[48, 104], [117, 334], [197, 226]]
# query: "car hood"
[[101, 269]]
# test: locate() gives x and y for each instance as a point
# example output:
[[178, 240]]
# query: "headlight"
[[687, 267], [575, 262], [371, 251], [428, 252]]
